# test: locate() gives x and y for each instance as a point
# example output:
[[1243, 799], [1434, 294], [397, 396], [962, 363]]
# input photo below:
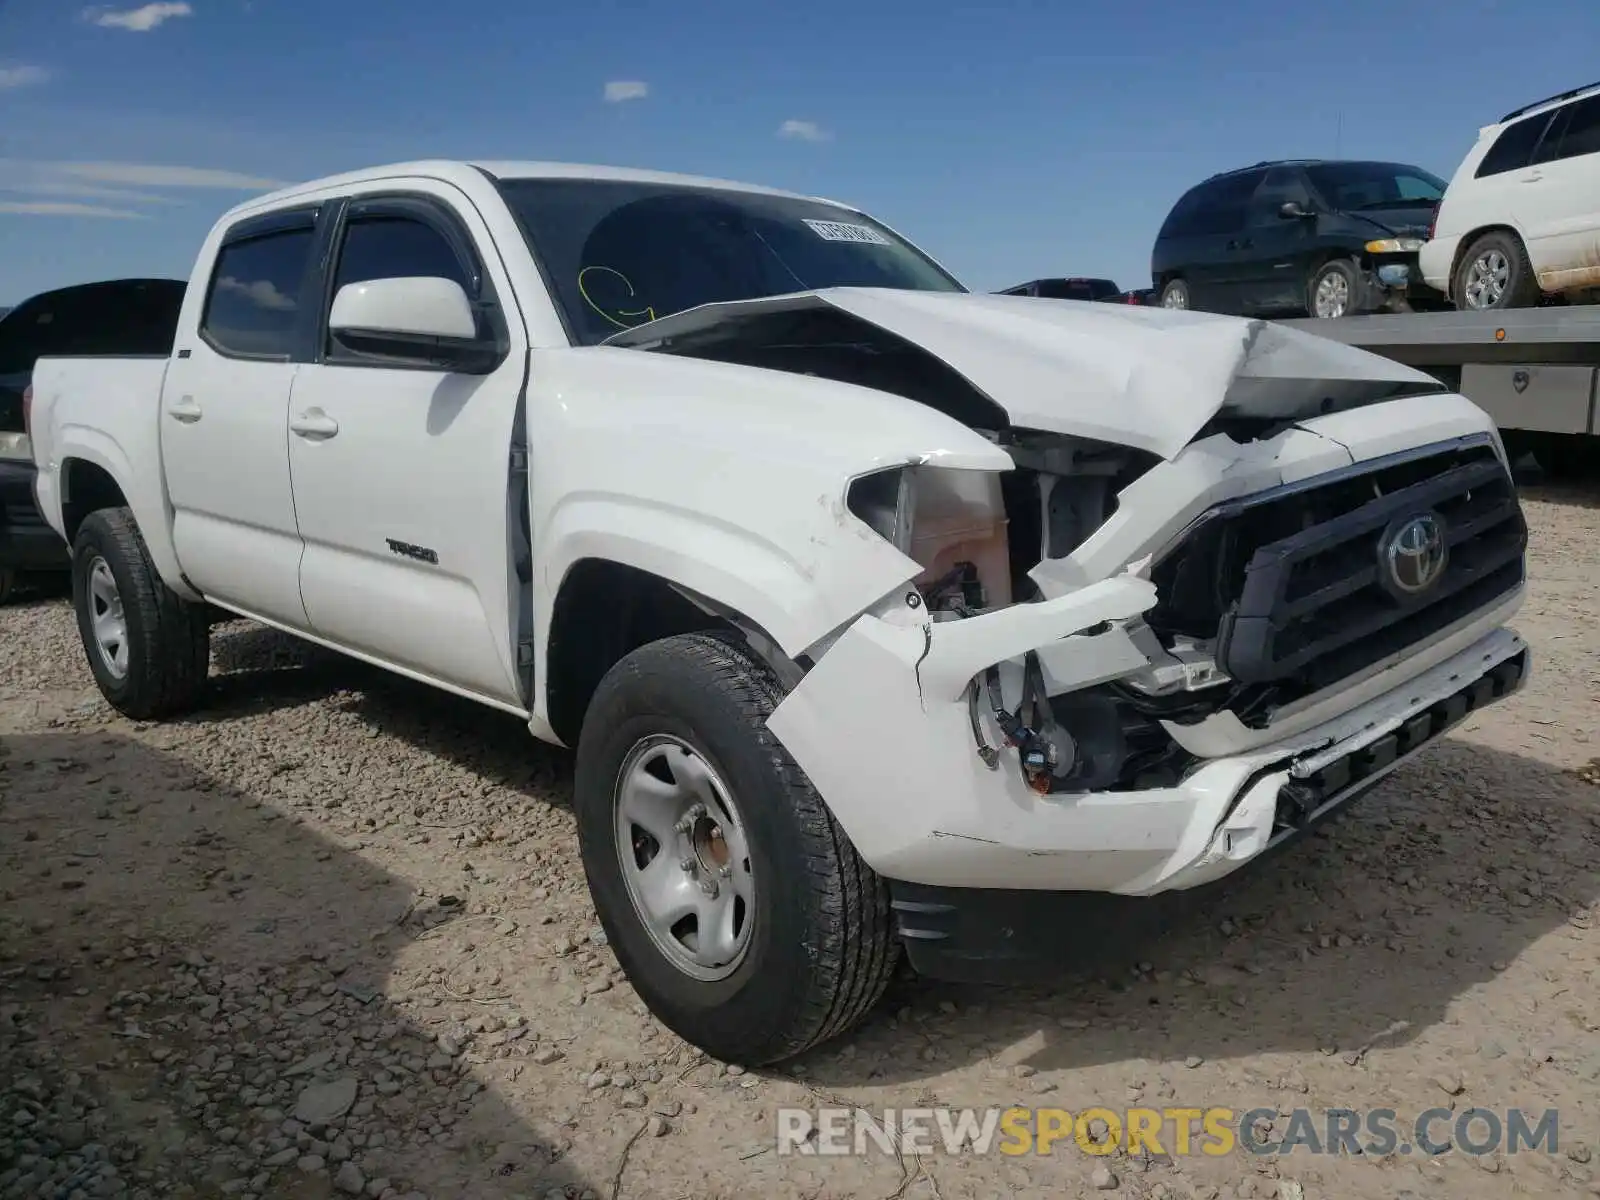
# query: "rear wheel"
[[148, 649], [1175, 294], [740, 912], [8, 582], [1495, 273]]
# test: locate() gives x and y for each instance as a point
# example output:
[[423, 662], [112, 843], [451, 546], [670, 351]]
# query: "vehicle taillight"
[[27, 411]]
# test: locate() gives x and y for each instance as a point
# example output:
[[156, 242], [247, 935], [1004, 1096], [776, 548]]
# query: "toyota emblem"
[[1519, 381], [1414, 554]]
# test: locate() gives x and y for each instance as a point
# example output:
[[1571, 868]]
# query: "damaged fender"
[[881, 727]]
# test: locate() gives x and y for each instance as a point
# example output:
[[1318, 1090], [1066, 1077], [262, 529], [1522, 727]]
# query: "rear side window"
[[1513, 148], [253, 309], [1215, 207], [1578, 134]]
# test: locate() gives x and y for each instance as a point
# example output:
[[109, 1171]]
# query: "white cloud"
[[263, 293], [159, 175], [84, 191], [137, 20], [21, 77], [62, 208], [803, 131], [619, 90]]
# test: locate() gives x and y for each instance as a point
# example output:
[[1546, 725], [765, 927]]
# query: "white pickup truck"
[[878, 612]]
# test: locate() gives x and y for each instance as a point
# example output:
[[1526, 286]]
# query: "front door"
[[1272, 272], [224, 419], [402, 471]]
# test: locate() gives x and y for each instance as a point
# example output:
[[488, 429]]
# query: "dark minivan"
[[115, 317], [1326, 238]]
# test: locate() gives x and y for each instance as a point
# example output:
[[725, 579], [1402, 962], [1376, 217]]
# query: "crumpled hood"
[[1149, 378]]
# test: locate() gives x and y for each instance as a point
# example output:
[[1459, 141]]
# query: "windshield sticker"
[[839, 231], [585, 284]]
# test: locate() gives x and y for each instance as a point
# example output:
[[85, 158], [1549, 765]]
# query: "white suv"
[[1521, 216]]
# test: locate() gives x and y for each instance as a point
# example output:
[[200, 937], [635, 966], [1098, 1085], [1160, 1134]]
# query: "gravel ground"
[[330, 938]]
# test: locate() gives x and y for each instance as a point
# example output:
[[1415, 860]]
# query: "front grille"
[[1293, 584]]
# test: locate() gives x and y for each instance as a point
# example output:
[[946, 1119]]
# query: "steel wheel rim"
[[1487, 279], [1175, 297], [681, 843], [107, 620], [1333, 295]]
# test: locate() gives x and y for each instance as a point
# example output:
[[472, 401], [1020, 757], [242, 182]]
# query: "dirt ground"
[[330, 937]]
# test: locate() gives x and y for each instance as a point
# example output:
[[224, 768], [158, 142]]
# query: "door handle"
[[314, 424], [1533, 177], [184, 409], [1241, 244]]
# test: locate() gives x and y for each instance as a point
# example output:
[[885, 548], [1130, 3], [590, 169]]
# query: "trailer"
[[1536, 371]]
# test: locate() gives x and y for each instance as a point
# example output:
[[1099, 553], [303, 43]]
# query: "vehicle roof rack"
[[1528, 108]]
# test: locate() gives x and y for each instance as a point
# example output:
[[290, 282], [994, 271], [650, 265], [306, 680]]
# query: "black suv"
[[119, 317], [1325, 238]]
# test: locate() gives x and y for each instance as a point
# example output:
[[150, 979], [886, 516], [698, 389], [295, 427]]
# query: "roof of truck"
[[455, 169]]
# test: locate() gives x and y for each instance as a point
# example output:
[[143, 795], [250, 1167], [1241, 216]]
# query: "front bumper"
[[882, 728], [1398, 277], [27, 543]]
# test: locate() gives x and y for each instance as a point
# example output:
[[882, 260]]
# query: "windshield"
[[1351, 186], [621, 253]]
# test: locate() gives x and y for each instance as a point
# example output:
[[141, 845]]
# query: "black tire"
[[8, 583], [1521, 288], [168, 638], [821, 948], [1340, 269], [1174, 290]]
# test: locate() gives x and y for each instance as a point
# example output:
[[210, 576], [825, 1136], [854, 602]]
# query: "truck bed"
[[124, 397]]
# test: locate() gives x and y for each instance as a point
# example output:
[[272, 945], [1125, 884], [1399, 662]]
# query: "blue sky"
[[1010, 140]]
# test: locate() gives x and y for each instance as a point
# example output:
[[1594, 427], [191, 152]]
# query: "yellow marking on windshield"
[[647, 312]]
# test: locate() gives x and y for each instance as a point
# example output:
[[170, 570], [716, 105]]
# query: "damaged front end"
[[1121, 664]]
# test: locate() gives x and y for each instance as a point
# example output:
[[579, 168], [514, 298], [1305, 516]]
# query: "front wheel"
[[737, 907], [1333, 289], [149, 649], [1175, 294]]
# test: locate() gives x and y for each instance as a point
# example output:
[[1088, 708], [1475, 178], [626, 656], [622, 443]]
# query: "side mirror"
[[1291, 211], [421, 318]]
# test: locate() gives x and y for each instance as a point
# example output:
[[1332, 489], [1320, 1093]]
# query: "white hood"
[[1144, 377]]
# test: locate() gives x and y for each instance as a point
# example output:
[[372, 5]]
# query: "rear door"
[[224, 417], [1218, 270], [1559, 202]]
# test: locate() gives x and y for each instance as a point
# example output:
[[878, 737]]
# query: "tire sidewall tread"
[[823, 947], [169, 644]]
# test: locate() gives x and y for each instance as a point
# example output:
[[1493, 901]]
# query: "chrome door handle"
[[314, 423], [184, 409]]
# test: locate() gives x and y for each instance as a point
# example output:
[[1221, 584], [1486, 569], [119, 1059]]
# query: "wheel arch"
[[603, 610], [1465, 243]]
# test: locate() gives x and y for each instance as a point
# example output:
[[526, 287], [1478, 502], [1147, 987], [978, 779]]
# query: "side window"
[[391, 247], [1281, 185], [1224, 205], [1579, 135], [1180, 221], [1513, 148], [254, 301]]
